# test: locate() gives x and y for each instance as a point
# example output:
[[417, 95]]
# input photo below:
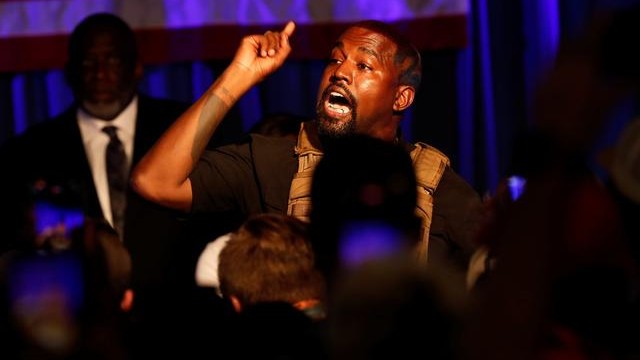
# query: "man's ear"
[[404, 98]]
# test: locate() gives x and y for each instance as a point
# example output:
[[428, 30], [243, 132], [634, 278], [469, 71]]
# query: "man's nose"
[[341, 72]]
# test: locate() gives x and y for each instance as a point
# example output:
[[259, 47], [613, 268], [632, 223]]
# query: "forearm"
[[213, 106], [163, 174]]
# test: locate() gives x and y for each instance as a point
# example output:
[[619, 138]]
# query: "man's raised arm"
[[162, 175]]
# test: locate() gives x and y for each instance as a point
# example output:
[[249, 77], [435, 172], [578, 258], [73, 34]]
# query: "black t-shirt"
[[457, 214], [247, 177], [254, 175]]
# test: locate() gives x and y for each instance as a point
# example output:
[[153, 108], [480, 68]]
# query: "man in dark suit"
[[71, 151]]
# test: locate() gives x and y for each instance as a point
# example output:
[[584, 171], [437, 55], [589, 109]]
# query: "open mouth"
[[338, 102]]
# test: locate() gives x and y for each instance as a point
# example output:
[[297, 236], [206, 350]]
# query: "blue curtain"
[[473, 103]]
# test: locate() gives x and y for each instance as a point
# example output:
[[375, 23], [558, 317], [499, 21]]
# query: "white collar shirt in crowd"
[[95, 143], [207, 266]]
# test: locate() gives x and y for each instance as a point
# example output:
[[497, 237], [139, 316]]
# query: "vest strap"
[[299, 204], [429, 165], [428, 162]]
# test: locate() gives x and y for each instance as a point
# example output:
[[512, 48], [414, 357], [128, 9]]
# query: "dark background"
[[474, 104]]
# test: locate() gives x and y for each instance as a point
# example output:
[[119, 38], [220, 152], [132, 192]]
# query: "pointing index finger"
[[289, 28]]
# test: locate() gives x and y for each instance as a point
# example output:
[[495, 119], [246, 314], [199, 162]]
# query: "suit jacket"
[[53, 151]]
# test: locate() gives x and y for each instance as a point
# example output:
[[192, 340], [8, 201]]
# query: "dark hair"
[[361, 179], [102, 22], [350, 166], [407, 57]]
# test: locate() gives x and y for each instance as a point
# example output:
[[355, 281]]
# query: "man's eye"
[[334, 61], [363, 66]]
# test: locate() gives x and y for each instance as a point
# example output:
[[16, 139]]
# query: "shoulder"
[[426, 153], [454, 181], [256, 146], [429, 164], [433, 169], [271, 153], [272, 142], [59, 127], [457, 195]]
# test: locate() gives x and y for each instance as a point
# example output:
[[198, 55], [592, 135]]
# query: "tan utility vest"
[[428, 162]]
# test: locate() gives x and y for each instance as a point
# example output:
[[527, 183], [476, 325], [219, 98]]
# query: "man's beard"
[[109, 109], [329, 128]]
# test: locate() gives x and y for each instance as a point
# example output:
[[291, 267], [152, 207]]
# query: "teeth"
[[333, 93], [340, 109]]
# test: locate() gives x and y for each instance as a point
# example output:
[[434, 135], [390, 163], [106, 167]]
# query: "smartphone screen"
[[369, 240], [516, 186]]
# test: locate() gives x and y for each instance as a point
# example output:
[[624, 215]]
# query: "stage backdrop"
[[185, 45], [34, 33], [482, 60]]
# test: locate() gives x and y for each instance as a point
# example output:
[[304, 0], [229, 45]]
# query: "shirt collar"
[[125, 121]]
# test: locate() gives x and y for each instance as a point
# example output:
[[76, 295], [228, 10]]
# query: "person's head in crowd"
[[102, 66], [564, 276], [38, 216], [600, 69], [393, 309], [270, 259], [109, 262], [364, 199], [275, 330], [371, 78], [67, 296]]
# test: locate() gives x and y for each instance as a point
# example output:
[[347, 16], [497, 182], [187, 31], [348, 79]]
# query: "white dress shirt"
[[95, 144]]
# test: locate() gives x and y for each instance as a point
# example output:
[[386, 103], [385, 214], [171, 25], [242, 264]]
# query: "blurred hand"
[[261, 55]]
